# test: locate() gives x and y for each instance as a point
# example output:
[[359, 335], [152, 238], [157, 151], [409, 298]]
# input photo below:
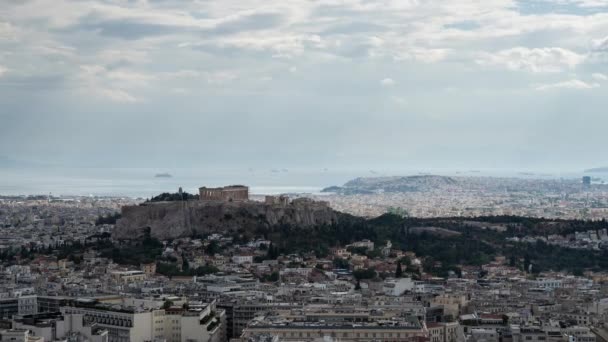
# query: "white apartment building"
[[177, 324], [242, 259]]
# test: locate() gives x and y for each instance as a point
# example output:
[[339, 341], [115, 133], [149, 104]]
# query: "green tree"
[[512, 261], [213, 248], [398, 271], [167, 304], [369, 273]]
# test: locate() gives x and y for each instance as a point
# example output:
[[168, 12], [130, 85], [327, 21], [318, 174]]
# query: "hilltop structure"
[[219, 210], [228, 193]]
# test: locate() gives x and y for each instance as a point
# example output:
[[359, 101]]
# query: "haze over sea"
[[141, 182]]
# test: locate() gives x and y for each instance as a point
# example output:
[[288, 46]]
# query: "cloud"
[[248, 22], [599, 77], [123, 57], [582, 3], [329, 60], [599, 49], [181, 74], [571, 84], [536, 60], [424, 55], [127, 28], [600, 44], [220, 77], [387, 82], [7, 31], [3, 70], [117, 95], [112, 85]]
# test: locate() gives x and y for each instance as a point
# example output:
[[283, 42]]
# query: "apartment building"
[[344, 324]]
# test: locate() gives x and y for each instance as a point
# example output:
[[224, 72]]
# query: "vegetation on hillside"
[[171, 197], [479, 242]]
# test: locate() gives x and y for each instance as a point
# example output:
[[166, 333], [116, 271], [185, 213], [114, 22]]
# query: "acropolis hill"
[[219, 210]]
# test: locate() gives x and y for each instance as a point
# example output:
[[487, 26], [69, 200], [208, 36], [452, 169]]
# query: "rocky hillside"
[[167, 220]]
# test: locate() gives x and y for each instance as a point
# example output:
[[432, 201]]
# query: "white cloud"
[[399, 101], [571, 84], [130, 79], [600, 44], [97, 80], [588, 3], [535, 60], [599, 77], [7, 31], [220, 77], [181, 91], [387, 82], [181, 74], [129, 55], [3, 70], [117, 95], [216, 35], [424, 55]]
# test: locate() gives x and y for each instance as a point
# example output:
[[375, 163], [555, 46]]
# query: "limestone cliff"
[[168, 220]]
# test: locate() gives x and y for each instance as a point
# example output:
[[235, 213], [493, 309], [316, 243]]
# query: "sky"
[[304, 83]]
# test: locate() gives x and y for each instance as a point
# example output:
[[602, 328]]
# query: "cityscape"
[[68, 273], [303, 171]]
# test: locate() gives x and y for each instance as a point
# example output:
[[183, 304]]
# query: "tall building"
[[586, 181]]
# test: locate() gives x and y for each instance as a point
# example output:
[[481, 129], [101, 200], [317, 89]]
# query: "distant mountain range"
[[598, 169], [370, 185], [430, 183]]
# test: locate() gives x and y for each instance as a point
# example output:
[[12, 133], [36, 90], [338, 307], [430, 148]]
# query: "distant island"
[[598, 169], [163, 175]]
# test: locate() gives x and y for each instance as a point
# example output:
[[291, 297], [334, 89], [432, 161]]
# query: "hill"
[[367, 185], [308, 226], [598, 170], [176, 219]]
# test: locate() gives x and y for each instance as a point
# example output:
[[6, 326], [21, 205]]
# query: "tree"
[[341, 263], [213, 248], [526, 262], [369, 273], [273, 252], [274, 276], [398, 271], [167, 304], [512, 261]]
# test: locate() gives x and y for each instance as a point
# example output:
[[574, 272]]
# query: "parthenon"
[[228, 193]]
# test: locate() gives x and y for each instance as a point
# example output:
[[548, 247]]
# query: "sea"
[[147, 182]]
